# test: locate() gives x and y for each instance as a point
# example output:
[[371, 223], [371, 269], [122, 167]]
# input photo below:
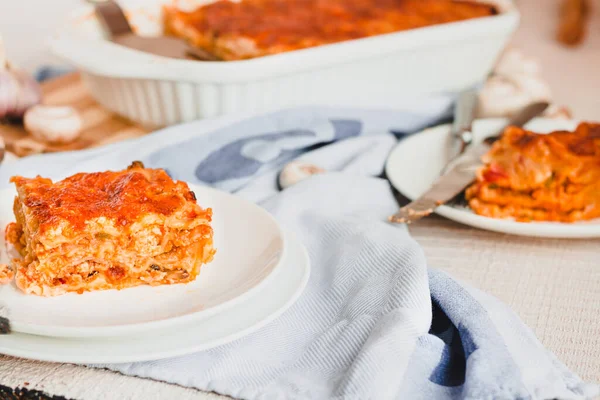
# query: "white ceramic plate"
[[418, 159], [245, 317], [250, 247]]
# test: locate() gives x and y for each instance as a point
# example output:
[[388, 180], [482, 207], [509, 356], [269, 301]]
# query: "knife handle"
[[464, 114], [112, 17], [464, 111]]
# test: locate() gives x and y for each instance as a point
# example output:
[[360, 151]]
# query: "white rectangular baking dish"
[[377, 72]]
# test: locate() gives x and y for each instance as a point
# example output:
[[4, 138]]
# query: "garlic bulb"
[[295, 172], [18, 89], [53, 124], [516, 83], [502, 96]]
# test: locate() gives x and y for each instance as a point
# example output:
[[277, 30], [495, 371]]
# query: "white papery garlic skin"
[[297, 171], [18, 92], [53, 124], [18, 89]]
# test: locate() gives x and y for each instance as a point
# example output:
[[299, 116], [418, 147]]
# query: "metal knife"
[[464, 114], [461, 172]]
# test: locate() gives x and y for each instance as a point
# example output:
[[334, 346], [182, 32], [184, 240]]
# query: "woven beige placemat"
[[552, 284]]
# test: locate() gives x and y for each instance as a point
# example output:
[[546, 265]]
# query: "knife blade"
[[461, 172]]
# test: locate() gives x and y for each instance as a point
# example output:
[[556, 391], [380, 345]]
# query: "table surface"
[[553, 285]]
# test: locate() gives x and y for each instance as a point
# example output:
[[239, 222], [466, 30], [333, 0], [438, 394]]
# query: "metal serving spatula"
[[114, 20], [460, 172]]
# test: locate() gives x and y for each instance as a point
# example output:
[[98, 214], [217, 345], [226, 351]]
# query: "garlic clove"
[[295, 172], [53, 124], [502, 96]]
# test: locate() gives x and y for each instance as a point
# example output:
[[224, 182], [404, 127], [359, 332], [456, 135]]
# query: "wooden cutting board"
[[100, 126]]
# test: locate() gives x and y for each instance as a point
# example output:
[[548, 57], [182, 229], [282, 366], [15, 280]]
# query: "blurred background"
[[572, 72]]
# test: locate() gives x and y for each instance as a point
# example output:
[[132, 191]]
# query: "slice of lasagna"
[[540, 177], [236, 30], [107, 230]]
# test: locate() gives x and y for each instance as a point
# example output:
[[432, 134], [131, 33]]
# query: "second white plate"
[[242, 319], [415, 163], [250, 248]]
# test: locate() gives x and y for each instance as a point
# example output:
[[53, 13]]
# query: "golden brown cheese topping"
[[123, 196], [288, 25]]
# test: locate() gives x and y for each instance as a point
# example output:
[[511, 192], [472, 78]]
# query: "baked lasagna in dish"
[[107, 230], [253, 28], [540, 177]]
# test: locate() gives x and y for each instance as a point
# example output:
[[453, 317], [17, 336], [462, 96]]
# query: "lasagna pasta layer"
[[180, 265], [525, 214], [541, 177]]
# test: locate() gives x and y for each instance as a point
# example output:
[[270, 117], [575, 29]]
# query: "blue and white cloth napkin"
[[375, 322]]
